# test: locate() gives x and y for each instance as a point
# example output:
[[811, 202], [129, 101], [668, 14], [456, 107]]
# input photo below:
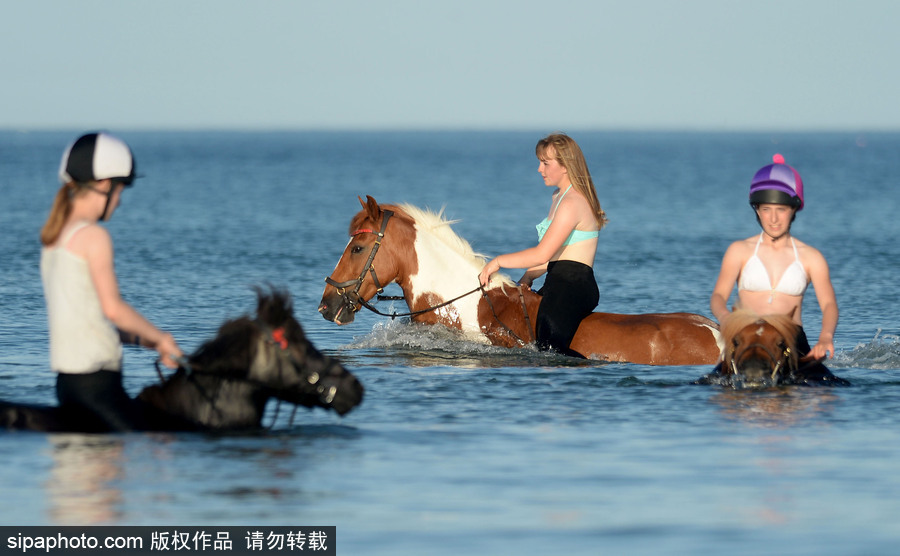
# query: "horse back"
[[649, 339], [43, 418]]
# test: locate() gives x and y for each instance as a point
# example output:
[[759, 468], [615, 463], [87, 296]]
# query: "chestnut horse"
[[762, 351], [438, 273]]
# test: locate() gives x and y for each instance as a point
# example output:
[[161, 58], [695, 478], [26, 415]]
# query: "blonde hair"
[[569, 155], [60, 211]]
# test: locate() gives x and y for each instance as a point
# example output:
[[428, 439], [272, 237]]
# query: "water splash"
[[402, 333], [883, 352], [422, 344]]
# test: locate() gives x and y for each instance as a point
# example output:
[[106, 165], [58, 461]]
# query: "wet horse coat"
[[225, 384], [761, 350], [417, 250]]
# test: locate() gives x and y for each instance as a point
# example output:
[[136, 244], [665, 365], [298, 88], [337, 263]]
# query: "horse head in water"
[[438, 273], [227, 381], [762, 350]]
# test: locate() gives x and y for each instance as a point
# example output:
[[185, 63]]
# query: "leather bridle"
[[354, 302], [783, 361], [352, 299]]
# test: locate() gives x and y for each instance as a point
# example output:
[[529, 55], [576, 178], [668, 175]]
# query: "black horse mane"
[[230, 353], [274, 307]]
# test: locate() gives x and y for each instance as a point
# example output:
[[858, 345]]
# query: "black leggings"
[[99, 397], [570, 293]]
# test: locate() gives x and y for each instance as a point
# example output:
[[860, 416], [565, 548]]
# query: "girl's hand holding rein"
[[490, 268]]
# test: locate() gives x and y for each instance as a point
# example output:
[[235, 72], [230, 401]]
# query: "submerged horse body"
[[438, 273], [762, 350], [227, 382]]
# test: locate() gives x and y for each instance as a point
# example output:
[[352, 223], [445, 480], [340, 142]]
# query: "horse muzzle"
[[337, 308], [331, 386], [756, 366], [342, 391]]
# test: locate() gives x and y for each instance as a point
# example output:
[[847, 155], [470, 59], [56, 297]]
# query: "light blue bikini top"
[[575, 236], [755, 277]]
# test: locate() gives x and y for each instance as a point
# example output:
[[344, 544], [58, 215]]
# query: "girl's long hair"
[[569, 154], [59, 212]]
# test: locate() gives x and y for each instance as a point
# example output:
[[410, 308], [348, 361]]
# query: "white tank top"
[[82, 339]]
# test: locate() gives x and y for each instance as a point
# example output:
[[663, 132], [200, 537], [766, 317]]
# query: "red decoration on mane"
[[278, 337]]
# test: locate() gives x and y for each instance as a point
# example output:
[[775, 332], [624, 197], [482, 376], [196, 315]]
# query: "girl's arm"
[[732, 262], [96, 246], [564, 221], [821, 280], [531, 274]]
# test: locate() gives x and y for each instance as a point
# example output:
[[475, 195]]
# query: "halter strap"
[[785, 359], [369, 266]]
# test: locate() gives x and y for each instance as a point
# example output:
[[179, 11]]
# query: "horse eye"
[[356, 249], [735, 341]]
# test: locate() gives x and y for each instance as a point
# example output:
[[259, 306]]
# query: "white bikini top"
[[755, 278]]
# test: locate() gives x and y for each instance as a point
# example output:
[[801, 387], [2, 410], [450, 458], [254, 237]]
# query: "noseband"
[[779, 362], [352, 299]]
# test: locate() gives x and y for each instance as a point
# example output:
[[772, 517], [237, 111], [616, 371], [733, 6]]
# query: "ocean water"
[[460, 447]]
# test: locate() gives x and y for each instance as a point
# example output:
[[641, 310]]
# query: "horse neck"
[[439, 274], [511, 317], [442, 267], [213, 402]]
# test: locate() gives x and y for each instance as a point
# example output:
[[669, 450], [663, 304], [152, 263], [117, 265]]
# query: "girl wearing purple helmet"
[[773, 269]]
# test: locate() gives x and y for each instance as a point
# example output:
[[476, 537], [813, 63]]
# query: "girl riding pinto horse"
[[567, 245]]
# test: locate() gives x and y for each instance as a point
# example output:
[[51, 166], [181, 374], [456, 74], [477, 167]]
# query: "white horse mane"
[[435, 224]]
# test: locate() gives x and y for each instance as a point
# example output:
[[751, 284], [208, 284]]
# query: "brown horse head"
[[368, 263], [760, 350]]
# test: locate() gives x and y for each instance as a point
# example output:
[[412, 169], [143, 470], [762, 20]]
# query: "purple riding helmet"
[[778, 184]]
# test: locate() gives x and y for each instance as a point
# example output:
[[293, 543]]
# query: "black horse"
[[227, 382]]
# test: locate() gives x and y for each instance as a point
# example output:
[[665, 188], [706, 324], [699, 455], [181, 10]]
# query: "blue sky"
[[488, 64]]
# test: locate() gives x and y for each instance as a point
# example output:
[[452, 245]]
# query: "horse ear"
[[371, 207]]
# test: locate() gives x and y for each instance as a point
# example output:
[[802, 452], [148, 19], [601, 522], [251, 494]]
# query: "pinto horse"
[[438, 273], [227, 382], [762, 351]]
